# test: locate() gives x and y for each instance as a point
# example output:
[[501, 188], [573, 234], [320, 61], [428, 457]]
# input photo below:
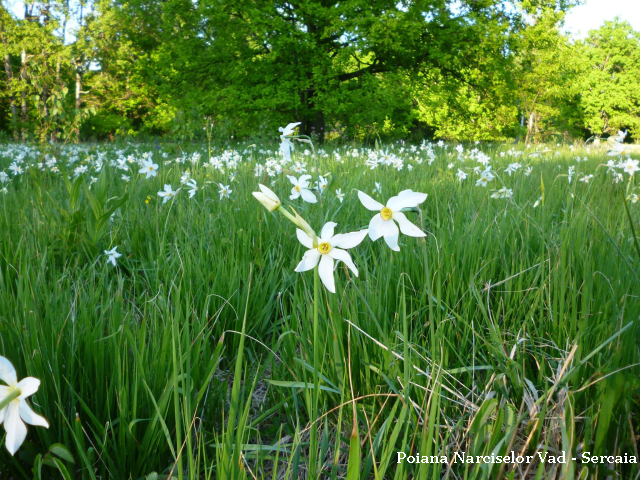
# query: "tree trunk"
[[45, 87], [313, 118], [78, 86], [54, 134], [521, 127], [530, 126], [23, 78], [12, 96]]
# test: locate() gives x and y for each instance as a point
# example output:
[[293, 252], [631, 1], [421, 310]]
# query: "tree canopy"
[[475, 69]]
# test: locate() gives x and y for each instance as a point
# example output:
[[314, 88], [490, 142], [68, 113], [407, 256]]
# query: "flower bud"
[[267, 198]]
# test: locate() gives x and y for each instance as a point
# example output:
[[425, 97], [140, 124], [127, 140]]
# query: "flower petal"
[[288, 130], [29, 386], [8, 373], [391, 236], [268, 192], [406, 199], [380, 228], [15, 428], [308, 196], [349, 240], [325, 270], [406, 227], [327, 231], [343, 256], [309, 260], [304, 238], [369, 203], [292, 179], [31, 417]]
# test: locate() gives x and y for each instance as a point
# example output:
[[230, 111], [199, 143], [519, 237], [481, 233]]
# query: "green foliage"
[[610, 89], [348, 70]]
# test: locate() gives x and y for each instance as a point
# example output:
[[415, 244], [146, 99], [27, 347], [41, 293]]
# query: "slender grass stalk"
[[313, 442]]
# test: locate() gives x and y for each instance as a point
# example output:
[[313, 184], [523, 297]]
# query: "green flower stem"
[[296, 221], [316, 377], [15, 393]]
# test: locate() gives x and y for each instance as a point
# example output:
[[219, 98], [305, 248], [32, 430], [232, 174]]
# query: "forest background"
[[349, 70]]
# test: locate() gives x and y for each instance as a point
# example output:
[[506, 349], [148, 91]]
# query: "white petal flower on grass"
[[4, 178], [168, 193], [330, 247], [299, 168], [618, 149], [267, 198], [340, 195], [16, 169], [383, 224], [378, 188], [225, 191], [322, 184], [301, 188], [634, 198], [112, 255], [461, 175], [192, 186], [149, 168], [17, 412], [504, 192], [586, 178], [286, 146], [630, 166], [485, 178]]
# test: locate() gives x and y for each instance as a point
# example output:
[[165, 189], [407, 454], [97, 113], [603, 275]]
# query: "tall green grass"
[[508, 328]]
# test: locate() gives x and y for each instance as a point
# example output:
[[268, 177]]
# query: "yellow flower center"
[[386, 213], [297, 188], [324, 248]]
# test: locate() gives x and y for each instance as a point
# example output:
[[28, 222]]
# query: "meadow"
[[174, 338]]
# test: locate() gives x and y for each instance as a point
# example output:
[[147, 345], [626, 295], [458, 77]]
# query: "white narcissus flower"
[[17, 412], [149, 168], [193, 187], [461, 175], [225, 191], [340, 195], [301, 188], [630, 166], [618, 149], [112, 255], [322, 184], [168, 193], [329, 247], [286, 146], [383, 224], [485, 177], [267, 198]]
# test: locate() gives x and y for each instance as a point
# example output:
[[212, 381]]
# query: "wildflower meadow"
[[320, 239], [294, 311]]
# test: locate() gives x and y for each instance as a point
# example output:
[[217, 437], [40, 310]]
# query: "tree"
[[610, 87], [260, 63]]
